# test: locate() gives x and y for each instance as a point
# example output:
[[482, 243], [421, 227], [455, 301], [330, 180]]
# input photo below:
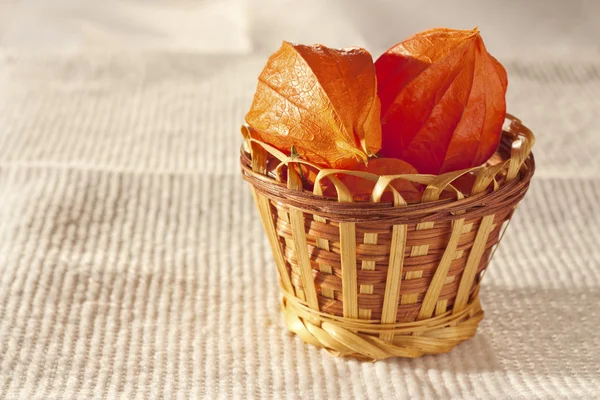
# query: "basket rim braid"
[[377, 279]]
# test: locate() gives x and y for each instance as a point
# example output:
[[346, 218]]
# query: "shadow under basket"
[[374, 279]]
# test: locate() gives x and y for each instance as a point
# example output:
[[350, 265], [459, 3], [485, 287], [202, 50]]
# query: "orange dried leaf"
[[361, 189], [442, 100], [321, 101]]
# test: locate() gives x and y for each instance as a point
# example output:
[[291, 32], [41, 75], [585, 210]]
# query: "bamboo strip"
[[462, 296], [369, 238], [367, 265], [435, 287], [326, 268], [394, 278], [299, 237], [415, 251], [264, 210], [348, 257], [259, 164]]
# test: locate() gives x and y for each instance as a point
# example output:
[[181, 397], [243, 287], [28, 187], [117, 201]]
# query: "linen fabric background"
[[133, 263]]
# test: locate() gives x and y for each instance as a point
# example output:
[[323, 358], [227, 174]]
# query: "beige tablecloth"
[[133, 263]]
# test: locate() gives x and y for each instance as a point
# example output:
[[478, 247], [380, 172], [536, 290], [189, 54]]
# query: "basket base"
[[372, 341]]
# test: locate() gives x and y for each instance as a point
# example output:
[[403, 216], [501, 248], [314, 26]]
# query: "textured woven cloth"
[[133, 263]]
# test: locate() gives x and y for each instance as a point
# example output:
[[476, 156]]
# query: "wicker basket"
[[374, 280]]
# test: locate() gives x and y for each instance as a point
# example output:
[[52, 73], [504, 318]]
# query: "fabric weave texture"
[[133, 263]]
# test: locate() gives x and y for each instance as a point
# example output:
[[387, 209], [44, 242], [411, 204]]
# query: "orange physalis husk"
[[320, 101], [442, 100], [361, 188]]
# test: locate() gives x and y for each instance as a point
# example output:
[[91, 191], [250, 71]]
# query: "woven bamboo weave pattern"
[[374, 280]]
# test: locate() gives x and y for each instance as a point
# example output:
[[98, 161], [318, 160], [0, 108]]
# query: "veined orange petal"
[[320, 101], [442, 100]]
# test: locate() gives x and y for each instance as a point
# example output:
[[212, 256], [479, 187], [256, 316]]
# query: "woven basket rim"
[[252, 176], [479, 204]]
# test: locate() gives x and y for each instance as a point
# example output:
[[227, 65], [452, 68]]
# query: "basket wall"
[[375, 281]]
